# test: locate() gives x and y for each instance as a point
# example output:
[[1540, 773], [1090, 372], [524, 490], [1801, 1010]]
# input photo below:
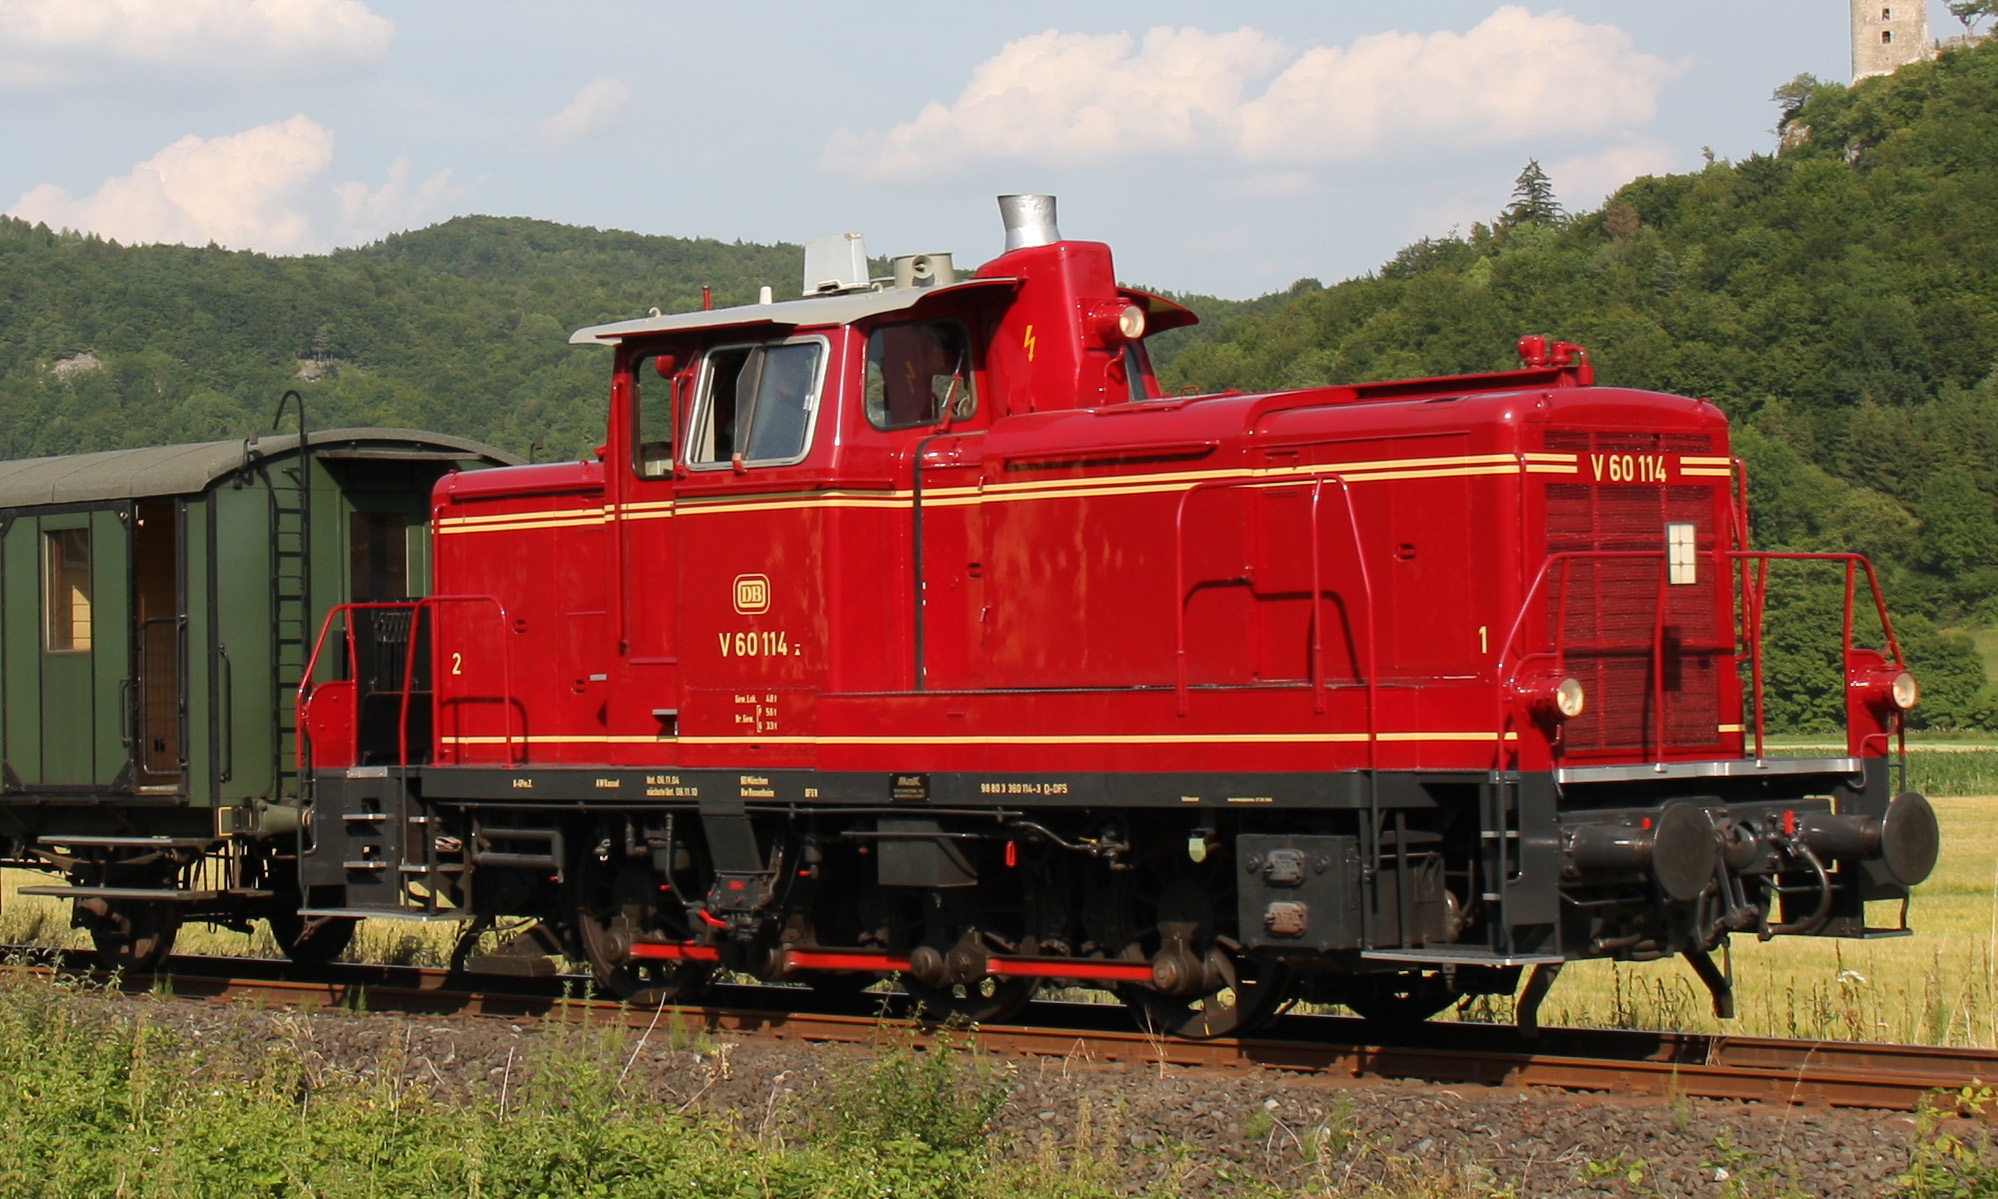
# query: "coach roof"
[[191, 469]]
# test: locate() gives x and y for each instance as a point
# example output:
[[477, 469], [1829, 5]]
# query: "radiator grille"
[[1605, 612]]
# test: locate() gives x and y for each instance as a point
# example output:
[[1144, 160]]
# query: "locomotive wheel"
[[1254, 990], [1176, 917], [619, 903], [984, 1002], [311, 944], [133, 936]]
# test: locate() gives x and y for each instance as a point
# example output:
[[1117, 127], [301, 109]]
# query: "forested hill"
[[587, 266], [461, 327], [1837, 297]]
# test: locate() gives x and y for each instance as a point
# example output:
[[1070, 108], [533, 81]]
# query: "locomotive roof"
[[840, 309], [189, 469], [846, 308]]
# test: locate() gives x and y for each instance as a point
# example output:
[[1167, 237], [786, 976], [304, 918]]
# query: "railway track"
[[1332, 1048]]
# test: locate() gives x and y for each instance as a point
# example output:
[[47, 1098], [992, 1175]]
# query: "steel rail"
[[1331, 1049]]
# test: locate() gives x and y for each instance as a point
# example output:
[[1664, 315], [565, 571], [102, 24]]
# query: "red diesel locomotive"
[[906, 627]]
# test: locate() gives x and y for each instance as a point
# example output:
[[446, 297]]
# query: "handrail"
[[312, 667], [1317, 624], [1852, 564], [1750, 605], [1500, 676], [1317, 481], [415, 608]]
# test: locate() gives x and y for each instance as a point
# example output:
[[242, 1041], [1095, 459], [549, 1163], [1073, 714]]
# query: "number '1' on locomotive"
[[907, 627]]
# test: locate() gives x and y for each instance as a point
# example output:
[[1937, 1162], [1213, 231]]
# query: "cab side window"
[[652, 385], [757, 403], [917, 372], [1137, 368]]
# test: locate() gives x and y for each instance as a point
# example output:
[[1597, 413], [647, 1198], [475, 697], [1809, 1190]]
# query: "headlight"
[[1556, 698], [1888, 689], [1131, 322]]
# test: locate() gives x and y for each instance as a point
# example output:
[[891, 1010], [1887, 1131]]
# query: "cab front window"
[[916, 372]]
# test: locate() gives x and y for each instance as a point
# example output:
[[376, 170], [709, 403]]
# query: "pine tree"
[[1533, 201], [1970, 12], [1792, 96]]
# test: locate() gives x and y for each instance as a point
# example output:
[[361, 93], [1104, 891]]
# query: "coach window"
[[757, 403], [652, 415], [66, 576], [916, 372]]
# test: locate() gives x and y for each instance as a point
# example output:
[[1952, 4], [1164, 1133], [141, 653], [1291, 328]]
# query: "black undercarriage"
[[1207, 901]]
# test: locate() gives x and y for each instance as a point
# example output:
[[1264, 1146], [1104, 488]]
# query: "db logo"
[[752, 594]]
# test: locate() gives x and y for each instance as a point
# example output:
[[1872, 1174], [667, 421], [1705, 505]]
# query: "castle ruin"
[[1887, 34]]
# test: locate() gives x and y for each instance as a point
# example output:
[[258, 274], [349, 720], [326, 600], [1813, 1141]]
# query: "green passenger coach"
[[157, 608]]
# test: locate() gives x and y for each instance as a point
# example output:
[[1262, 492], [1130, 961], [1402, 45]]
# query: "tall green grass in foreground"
[[98, 1098], [99, 1101]]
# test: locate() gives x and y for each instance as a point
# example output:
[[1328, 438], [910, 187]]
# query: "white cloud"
[[1514, 77], [370, 213], [597, 108], [240, 191], [1585, 180], [1066, 99], [248, 191], [53, 42], [1070, 98]]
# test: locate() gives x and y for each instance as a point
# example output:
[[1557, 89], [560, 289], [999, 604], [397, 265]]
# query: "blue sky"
[[1227, 149]]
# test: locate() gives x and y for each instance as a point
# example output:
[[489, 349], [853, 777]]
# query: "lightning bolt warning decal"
[[1027, 343]]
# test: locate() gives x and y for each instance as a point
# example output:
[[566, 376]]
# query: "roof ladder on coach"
[[291, 598]]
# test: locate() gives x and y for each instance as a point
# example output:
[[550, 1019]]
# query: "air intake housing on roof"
[[835, 264]]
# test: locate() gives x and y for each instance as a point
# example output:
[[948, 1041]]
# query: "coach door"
[[159, 628], [70, 701]]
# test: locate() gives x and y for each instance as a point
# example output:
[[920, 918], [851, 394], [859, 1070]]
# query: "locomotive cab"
[[907, 628]]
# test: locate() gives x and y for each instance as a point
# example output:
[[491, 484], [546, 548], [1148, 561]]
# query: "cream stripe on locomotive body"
[[1084, 739], [907, 627], [1088, 487]]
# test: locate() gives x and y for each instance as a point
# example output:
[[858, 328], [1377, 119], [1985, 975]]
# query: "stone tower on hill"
[[1887, 34]]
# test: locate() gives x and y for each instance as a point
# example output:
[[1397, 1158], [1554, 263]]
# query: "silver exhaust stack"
[[1030, 221]]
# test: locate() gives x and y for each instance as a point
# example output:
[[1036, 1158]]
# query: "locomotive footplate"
[[613, 787]]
